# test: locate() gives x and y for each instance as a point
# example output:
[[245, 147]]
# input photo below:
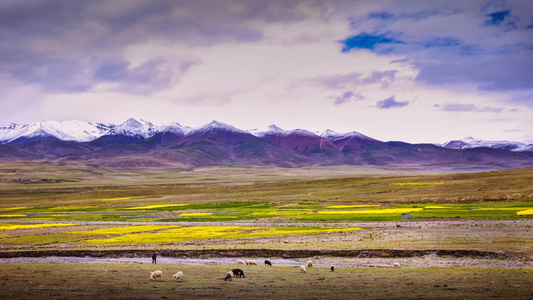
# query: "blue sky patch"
[[366, 41], [498, 17]]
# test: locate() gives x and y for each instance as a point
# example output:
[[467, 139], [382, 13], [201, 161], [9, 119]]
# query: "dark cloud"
[[71, 46], [390, 103], [502, 64], [487, 72]]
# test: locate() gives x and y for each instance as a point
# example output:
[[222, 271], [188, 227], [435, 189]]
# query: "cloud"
[[453, 44], [384, 77], [390, 103], [73, 46], [347, 96], [454, 107], [358, 79]]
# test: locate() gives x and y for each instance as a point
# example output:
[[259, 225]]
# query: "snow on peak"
[[332, 135], [275, 130], [217, 126], [470, 142], [136, 128], [176, 128], [64, 130]]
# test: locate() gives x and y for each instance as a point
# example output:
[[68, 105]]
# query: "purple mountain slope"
[[137, 143]]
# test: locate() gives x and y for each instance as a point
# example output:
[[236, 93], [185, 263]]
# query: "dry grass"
[[131, 281]]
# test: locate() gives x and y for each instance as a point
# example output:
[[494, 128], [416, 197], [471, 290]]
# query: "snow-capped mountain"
[[135, 128], [215, 126], [139, 129], [139, 143], [274, 130], [331, 135], [177, 128], [66, 131], [470, 142]]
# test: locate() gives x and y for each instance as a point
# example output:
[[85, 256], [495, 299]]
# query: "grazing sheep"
[[302, 268], [332, 268], [178, 277], [396, 265], [309, 264], [155, 274], [238, 273], [229, 275], [251, 262], [240, 262], [268, 263]]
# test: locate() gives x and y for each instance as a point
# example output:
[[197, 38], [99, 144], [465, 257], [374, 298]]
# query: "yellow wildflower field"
[[353, 206], [435, 206], [173, 235], [525, 212], [156, 206], [291, 231], [195, 214], [123, 230], [500, 208], [12, 208], [371, 211], [210, 232], [25, 226], [12, 216]]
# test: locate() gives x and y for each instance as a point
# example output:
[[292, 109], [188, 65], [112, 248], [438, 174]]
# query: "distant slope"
[[136, 144]]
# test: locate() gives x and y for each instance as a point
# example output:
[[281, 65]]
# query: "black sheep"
[[268, 263], [238, 273], [332, 268]]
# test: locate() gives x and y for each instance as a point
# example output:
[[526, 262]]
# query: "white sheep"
[[229, 275], [251, 262], [309, 264], [396, 265], [155, 274], [303, 269], [178, 277], [240, 262]]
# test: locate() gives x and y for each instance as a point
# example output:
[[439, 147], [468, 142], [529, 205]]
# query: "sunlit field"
[[264, 210]]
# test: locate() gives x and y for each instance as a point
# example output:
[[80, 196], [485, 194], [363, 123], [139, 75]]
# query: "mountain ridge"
[[138, 143], [80, 131]]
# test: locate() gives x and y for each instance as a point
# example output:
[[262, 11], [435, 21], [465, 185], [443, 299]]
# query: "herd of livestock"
[[178, 277]]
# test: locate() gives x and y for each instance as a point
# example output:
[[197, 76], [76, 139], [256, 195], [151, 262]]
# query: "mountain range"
[[138, 143]]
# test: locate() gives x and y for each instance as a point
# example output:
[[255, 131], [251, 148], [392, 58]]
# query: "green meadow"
[[326, 208], [66, 207]]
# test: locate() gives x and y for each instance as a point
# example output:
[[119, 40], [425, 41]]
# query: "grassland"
[[130, 281], [62, 207]]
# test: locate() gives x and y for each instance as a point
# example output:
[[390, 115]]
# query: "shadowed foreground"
[[131, 281]]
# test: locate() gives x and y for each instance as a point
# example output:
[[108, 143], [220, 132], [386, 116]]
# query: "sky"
[[412, 70]]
